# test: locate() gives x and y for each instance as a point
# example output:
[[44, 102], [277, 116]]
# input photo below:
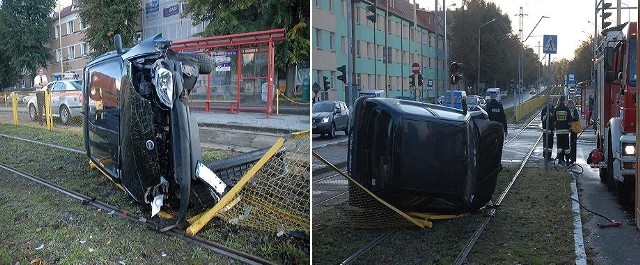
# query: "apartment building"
[[166, 17], [343, 35], [68, 49]]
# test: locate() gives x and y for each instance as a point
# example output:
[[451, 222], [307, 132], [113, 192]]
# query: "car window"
[[75, 85], [323, 107], [58, 86]]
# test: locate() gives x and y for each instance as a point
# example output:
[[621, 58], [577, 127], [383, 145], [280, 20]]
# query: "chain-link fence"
[[273, 195]]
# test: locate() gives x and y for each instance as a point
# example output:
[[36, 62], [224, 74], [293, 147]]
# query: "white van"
[[487, 96]]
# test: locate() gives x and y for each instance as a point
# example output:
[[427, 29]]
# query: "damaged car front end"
[[138, 130]]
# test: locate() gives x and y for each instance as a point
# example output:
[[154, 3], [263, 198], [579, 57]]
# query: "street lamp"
[[478, 76]]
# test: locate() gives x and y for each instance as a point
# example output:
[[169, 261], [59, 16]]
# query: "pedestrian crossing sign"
[[550, 44]]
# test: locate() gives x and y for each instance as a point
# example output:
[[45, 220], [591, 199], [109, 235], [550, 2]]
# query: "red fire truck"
[[615, 112]]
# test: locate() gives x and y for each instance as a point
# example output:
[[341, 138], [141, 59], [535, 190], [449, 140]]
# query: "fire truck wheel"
[[603, 175], [624, 192]]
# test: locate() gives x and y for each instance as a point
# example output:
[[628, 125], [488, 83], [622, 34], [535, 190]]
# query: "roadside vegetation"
[[44, 226], [532, 225]]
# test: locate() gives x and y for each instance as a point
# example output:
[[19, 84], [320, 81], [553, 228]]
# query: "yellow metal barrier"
[[14, 107], [208, 215]]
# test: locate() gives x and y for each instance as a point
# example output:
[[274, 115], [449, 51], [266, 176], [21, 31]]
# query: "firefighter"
[[563, 127], [496, 111], [548, 132]]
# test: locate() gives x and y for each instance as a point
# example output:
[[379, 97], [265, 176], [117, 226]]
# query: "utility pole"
[[413, 32], [386, 50], [520, 59], [437, 79]]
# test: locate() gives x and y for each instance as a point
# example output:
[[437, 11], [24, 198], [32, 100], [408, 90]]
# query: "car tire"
[[65, 115], [205, 64], [33, 112], [611, 186], [332, 133]]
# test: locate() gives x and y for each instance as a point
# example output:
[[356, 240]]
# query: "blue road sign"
[[550, 44]]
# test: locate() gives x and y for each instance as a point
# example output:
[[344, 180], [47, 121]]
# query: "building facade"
[[69, 51], [166, 17], [342, 34]]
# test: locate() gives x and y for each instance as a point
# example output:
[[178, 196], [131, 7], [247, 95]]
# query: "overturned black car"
[[138, 130], [422, 157]]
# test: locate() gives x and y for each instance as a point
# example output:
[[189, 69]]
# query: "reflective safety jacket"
[[563, 119], [552, 118]]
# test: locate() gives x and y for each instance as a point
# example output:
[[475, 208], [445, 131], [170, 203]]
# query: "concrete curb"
[[248, 128]]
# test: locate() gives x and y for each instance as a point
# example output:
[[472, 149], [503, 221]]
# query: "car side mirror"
[[117, 41], [465, 107]]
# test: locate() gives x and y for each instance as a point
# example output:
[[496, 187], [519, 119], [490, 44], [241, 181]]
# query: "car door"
[[56, 96]]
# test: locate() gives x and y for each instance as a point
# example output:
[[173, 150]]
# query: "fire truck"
[[615, 111]]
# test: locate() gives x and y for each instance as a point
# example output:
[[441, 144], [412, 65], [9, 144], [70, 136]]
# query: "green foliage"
[[25, 29], [500, 49], [231, 17], [105, 18]]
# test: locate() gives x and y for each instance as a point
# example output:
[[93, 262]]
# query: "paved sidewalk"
[[281, 124]]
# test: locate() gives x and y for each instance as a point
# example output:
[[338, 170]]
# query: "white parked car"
[[66, 100]]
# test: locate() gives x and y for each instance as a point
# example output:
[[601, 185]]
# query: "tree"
[[230, 17], [499, 48], [25, 30], [106, 19]]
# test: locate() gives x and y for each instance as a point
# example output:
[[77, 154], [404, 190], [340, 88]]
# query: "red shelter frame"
[[252, 40]]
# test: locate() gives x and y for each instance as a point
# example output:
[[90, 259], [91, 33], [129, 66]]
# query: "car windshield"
[[323, 107], [76, 85], [472, 100]]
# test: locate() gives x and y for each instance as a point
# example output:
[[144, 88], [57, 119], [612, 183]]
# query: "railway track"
[[115, 211], [320, 200]]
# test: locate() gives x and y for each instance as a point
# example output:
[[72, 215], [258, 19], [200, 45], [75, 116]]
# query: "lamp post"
[[478, 76]]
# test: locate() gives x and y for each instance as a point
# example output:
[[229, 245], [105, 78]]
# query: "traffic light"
[[412, 80], [420, 80], [454, 70], [325, 83], [605, 15], [372, 9], [343, 73]]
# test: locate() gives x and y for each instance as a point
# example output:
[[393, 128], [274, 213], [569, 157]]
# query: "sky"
[[570, 20]]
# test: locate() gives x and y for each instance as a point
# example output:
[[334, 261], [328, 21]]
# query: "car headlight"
[[628, 149], [163, 80], [325, 120]]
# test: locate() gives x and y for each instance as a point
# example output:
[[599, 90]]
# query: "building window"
[[57, 31], [71, 52], [318, 38], [332, 37], [331, 5], [58, 55], [358, 49], [317, 3], [69, 27], [84, 49], [370, 50]]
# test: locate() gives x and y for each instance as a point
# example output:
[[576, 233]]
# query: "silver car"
[[66, 100]]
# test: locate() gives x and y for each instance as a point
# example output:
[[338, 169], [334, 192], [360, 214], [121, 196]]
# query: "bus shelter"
[[243, 73]]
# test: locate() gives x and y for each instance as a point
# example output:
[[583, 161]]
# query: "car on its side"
[[422, 157], [66, 100], [138, 130], [329, 117]]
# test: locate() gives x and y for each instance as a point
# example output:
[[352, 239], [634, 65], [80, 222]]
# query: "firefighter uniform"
[[548, 132], [496, 112], [563, 127]]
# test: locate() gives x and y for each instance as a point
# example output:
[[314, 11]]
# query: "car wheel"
[[33, 113], [332, 133], [65, 115]]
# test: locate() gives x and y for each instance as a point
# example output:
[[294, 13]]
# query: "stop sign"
[[415, 68]]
